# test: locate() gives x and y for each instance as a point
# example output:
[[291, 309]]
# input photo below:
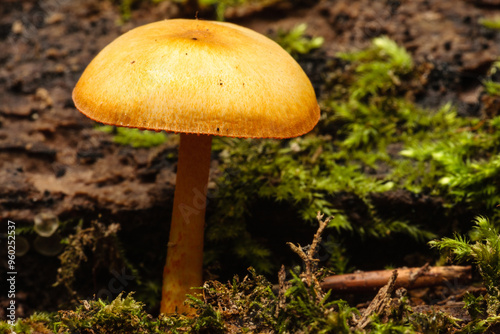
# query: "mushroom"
[[197, 78]]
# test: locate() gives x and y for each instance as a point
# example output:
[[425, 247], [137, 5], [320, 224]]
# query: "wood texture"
[[407, 278]]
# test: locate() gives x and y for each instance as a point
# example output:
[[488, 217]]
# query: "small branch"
[[317, 237], [300, 252], [407, 277], [308, 256]]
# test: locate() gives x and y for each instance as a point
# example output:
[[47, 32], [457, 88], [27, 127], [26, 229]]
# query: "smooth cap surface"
[[196, 76]]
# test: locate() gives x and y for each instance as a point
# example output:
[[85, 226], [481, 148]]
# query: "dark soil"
[[53, 160]]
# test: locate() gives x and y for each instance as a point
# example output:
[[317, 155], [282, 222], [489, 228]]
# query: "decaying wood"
[[407, 277], [380, 302]]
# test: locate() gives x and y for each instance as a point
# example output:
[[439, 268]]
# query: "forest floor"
[[52, 159]]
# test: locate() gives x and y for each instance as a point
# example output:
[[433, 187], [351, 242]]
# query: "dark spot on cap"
[[217, 129], [194, 39], [133, 61]]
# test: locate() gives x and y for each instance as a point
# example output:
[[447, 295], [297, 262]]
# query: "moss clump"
[[491, 86], [379, 69], [103, 243], [372, 142], [253, 305], [493, 23], [134, 137], [221, 6], [315, 172], [296, 43], [122, 315], [483, 249]]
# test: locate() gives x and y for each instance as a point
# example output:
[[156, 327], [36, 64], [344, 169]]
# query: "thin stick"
[[407, 278]]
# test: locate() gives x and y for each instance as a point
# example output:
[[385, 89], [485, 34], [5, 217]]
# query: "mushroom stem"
[[183, 269]]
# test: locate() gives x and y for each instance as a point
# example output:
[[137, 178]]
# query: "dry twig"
[[308, 256]]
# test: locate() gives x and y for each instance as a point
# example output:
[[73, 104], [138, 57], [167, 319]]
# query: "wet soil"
[[53, 160]]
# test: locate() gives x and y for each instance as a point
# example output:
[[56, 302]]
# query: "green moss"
[[122, 315], [378, 69], [221, 6], [372, 140], [490, 23], [314, 171], [295, 42], [483, 249], [98, 239], [492, 87], [250, 305], [134, 137], [297, 304]]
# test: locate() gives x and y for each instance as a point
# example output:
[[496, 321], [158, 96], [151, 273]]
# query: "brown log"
[[409, 278]]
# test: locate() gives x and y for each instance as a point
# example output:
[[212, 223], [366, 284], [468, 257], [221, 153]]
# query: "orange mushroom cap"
[[195, 76]]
